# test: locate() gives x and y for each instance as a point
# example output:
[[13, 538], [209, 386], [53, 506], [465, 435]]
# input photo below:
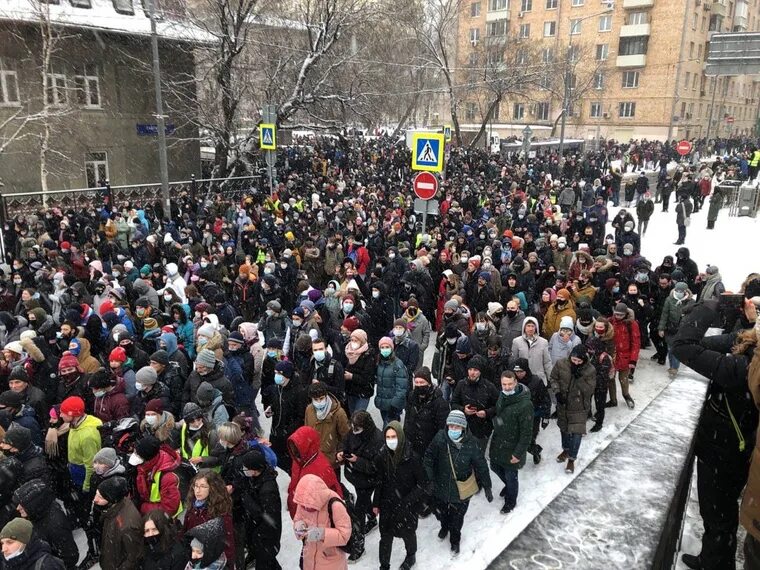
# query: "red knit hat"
[[118, 354], [351, 323], [106, 306], [73, 406], [65, 245], [68, 360], [155, 406]]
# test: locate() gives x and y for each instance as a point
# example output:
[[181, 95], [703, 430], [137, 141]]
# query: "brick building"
[[648, 60], [97, 97]]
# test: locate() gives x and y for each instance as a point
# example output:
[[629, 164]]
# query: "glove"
[[544, 423], [316, 534], [489, 494], [51, 442]]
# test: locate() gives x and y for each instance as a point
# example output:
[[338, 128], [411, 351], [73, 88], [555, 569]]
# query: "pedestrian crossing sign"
[[447, 133], [427, 151], [267, 137]]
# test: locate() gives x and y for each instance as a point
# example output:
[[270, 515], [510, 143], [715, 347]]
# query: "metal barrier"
[[138, 195]]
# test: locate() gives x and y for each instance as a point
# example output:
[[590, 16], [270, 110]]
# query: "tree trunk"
[[486, 119]]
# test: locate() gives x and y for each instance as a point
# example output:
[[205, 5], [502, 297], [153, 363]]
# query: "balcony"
[[638, 60], [494, 15], [632, 4], [741, 23], [719, 8], [634, 30]]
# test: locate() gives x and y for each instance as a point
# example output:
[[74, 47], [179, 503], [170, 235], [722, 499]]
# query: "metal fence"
[[138, 195]]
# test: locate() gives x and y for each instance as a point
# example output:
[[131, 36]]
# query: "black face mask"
[[153, 542], [511, 314]]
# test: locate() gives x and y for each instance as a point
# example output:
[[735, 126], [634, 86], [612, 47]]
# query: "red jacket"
[[114, 405], [197, 516], [627, 340], [166, 461], [310, 461], [362, 259]]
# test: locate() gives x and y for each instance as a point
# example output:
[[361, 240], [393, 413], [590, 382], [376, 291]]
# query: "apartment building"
[[76, 80], [648, 61]]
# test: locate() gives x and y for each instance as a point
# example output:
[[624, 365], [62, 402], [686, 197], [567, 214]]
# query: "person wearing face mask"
[[477, 399], [274, 323], [122, 368], [110, 399], [30, 460], [359, 371], [534, 348], [405, 349], [562, 342], [257, 493], [127, 342], [162, 549], [627, 346], [380, 310], [159, 423], [399, 493], [21, 550], [453, 457], [584, 287], [209, 370], [678, 302], [510, 326], [573, 381], [392, 380], [426, 411], [207, 499], [149, 388], [197, 437], [481, 333], [158, 486], [326, 369], [326, 415], [563, 306]]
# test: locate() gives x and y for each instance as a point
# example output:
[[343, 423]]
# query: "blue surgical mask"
[[348, 307], [99, 393], [616, 289], [319, 405], [508, 392], [279, 379], [319, 355], [271, 353], [392, 444], [385, 352], [455, 434]]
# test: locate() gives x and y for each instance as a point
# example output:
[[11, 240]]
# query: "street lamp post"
[[566, 77]]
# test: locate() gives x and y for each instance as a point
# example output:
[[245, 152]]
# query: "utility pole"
[[160, 123], [712, 110], [269, 116]]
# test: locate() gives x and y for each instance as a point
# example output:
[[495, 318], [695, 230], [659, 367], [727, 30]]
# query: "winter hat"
[[73, 406], [621, 309], [284, 367], [254, 459], [314, 295], [19, 530], [161, 357], [191, 411], [712, 269], [385, 341], [681, 286], [113, 489], [75, 347], [275, 343], [100, 379], [147, 447], [19, 373], [400, 323], [118, 354], [451, 331], [236, 337], [274, 306], [18, 436], [11, 399], [106, 307], [155, 405], [566, 322], [424, 373], [106, 456], [68, 361], [205, 394], [207, 330], [477, 362], [485, 276], [351, 324], [456, 418], [14, 347], [579, 351], [150, 324], [494, 308], [146, 376], [585, 316], [206, 358], [307, 305], [563, 294]]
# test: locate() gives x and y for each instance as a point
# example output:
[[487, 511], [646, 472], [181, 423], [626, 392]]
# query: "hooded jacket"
[[122, 544], [535, 350], [165, 462], [307, 459], [83, 443], [539, 393], [113, 405], [426, 413], [331, 430], [211, 535], [512, 428], [627, 340]]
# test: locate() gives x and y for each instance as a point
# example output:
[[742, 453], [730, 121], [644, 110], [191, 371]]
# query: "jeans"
[[643, 225], [511, 482], [571, 443], [623, 376], [673, 362], [451, 516], [447, 389], [389, 416], [681, 233], [356, 404]]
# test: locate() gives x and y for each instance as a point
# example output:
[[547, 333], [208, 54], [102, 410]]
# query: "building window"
[[526, 5], [694, 21], [551, 4], [521, 56], [545, 81], [630, 79], [496, 113], [524, 31], [599, 80], [96, 169], [56, 89], [547, 55], [473, 58], [575, 26], [495, 57], [602, 52], [81, 3], [577, 2], [694, 82], [691, 50], [627, 110], [469, 111], [474, 9], [573, 53], [518, 111], [8, 85], [699, 52], [683, 109], [605, 23], [542, 111], [686, 80], [474, 36], [497, 28], [495, 5], [637, 18], [550, 29], [124, 7], [596, 110], [636, 45], [87, 85]]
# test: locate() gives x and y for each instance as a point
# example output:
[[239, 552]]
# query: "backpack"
[[269, 455], [355, 544], [231, 412]]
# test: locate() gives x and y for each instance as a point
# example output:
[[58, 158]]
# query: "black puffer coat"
[[481, 395], [366, 446], [426, 413], [362, 383]]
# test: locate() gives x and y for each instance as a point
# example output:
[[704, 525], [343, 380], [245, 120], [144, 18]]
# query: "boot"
[[692, 561], [506, 509], [562, 457], [597, 427], [442, 533], [408, 562], [370, 524], [610, 404], [570, 467], [629, 402], [455, 549], [537, 455], [672, 372], [354, 556], [503, 492], [89, 561]]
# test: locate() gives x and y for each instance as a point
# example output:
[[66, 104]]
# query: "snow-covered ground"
[[486, 532]]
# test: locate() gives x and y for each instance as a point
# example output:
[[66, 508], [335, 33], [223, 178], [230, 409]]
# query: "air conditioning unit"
[[605, 115], [521, 15]]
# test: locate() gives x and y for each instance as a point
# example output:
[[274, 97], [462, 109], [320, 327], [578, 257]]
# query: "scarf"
[[708, 291], [353, 354], [322, 414]]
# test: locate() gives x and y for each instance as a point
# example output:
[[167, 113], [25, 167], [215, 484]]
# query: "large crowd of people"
[[143, 351]]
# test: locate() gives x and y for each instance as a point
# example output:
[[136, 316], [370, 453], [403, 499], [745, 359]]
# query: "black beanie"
[[254, 459], [113, 489], [147, 448]]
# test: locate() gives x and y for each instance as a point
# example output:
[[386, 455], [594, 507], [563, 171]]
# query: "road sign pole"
[[270, 116], [424, 218]]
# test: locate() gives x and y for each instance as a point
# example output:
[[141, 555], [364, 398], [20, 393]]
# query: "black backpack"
[[355, 544]]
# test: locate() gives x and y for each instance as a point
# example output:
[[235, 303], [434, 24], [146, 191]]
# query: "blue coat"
[[238, 368], [392, 384]]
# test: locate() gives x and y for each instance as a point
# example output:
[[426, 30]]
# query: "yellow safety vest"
[[155, 493], [755, 158], [199, 450]]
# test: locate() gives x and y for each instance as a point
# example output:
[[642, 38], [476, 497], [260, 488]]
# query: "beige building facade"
[[648, 61]]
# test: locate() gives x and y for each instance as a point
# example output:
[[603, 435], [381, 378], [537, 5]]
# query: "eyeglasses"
[[200, 486]]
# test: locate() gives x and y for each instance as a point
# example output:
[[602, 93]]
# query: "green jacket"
[[672, 311], [466, 459], [512, 428], [83, 444]]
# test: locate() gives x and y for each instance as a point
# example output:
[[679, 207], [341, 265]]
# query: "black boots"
[[597, 427]]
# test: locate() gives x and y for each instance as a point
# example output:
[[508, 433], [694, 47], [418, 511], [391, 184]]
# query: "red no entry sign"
[[683, 147], [425, 185]]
